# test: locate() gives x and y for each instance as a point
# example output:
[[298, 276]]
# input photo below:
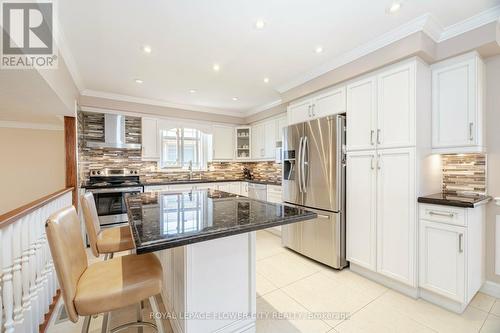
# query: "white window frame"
[[201, 150]]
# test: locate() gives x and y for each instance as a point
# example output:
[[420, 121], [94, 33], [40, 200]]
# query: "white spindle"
[[7, 291], [16, 275], [25, 272], [28, 281]]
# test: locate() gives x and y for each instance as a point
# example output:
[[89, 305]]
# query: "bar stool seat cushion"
[[113, 284], [115, 239]]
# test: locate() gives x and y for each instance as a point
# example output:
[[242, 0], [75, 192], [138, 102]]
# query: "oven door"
[[110, 204]]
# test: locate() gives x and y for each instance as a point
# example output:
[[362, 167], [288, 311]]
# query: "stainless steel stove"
[[109, 187]]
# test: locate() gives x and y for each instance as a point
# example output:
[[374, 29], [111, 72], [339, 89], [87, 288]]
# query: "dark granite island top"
[[162, 220], [455, 200]]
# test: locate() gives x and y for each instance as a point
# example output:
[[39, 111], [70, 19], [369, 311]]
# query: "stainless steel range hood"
[[114, 134]]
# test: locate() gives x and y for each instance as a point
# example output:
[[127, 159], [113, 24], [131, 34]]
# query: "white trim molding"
[[491, 288], [263, 107], [25, 125], [425, 23], [147, 101]]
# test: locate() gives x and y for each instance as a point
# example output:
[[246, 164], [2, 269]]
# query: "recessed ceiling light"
[[266, 80], [216, 67], [394, 7], [192, 91], [260, 24], [235, 98], [147, 49], [139, 81], [318, 49]]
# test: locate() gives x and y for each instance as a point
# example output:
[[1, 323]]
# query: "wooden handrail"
[[19, 212]]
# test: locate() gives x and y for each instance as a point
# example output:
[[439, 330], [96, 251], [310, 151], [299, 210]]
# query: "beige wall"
[[493, 146], [31, 165]]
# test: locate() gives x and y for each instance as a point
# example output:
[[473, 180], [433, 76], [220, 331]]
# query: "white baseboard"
[[491, 288]]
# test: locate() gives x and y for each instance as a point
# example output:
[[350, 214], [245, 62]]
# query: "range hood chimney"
[[114, 134]]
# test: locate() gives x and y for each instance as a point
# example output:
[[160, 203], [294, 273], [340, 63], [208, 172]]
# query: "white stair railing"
[[28, 281]]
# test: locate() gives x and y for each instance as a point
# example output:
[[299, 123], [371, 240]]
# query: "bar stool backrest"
[[68, 253], [91, 220]]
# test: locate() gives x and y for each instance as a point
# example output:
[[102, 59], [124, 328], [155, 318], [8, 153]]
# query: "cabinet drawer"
[[443, 214]]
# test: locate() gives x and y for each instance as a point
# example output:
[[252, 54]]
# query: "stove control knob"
[[132, 171], [98, 172]]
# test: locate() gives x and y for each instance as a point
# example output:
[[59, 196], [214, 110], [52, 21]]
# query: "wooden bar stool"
[[104, 286], [104, 241]]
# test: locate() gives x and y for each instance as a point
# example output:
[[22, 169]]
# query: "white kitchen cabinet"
[[361, 195], [382, 107], [155, 188], [274, 193], [457, 105], [235, 188], [442, 268], [362, 113], [396, 215], [329, 102], [452, 254], [396, 107], [150, 139], [282, 123], [264, 140], [225, 187], [244, 189], [299, 112], [223, 143]]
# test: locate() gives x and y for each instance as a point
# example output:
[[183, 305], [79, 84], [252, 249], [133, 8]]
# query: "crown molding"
[[264, 107], [147, 101], [471, 23], [26, 125], [425, 23]]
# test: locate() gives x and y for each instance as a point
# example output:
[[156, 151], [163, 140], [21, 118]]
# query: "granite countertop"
[[197, 181], [456, 200], [193, 181], [162, 220]]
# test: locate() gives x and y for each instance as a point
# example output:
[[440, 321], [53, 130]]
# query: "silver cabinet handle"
[[460, 243], [441, 214], [378, 136], [309, 111], [471, 134], [313, 107], [371, 163], [372, 132], [378, 162], [321, 216]]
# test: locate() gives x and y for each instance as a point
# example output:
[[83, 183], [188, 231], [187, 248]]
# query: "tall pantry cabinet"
[[388, 146]]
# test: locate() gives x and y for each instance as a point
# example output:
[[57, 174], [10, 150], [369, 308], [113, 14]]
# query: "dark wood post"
[[70, 144]]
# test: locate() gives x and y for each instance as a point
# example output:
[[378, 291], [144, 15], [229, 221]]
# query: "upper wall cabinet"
[[326, 103], [223, 142], [381, 108], [264, 140], [457, 105], [150, 139]]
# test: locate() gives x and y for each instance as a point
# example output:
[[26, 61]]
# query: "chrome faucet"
[[190, 168]]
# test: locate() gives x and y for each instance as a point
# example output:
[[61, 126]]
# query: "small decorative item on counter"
[[248, 173]]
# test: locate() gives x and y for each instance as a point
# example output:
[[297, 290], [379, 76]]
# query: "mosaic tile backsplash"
[[464, 173], [99, 158]]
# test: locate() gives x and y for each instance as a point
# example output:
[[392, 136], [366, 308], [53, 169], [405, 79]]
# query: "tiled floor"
[[295, 294]]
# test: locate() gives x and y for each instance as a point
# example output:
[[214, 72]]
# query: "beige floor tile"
[[483, 302], [276, 304], [263, 285], [355, 281], [287, 267], [432, 315], [268, 245], [319, 294], [495, 309], [491, 325], [375, 318]]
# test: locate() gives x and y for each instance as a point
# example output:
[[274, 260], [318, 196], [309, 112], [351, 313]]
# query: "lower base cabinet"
[[452, 252]]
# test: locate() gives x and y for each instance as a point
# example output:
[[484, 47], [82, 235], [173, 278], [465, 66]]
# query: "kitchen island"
[[205, 241]]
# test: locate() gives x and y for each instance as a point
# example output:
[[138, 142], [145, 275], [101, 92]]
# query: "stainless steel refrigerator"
[[314, 177]]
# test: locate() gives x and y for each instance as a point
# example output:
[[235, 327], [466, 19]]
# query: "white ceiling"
[[188, 36]]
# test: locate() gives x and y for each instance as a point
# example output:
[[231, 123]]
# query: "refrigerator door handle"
[[299, 163], [305, 147]]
